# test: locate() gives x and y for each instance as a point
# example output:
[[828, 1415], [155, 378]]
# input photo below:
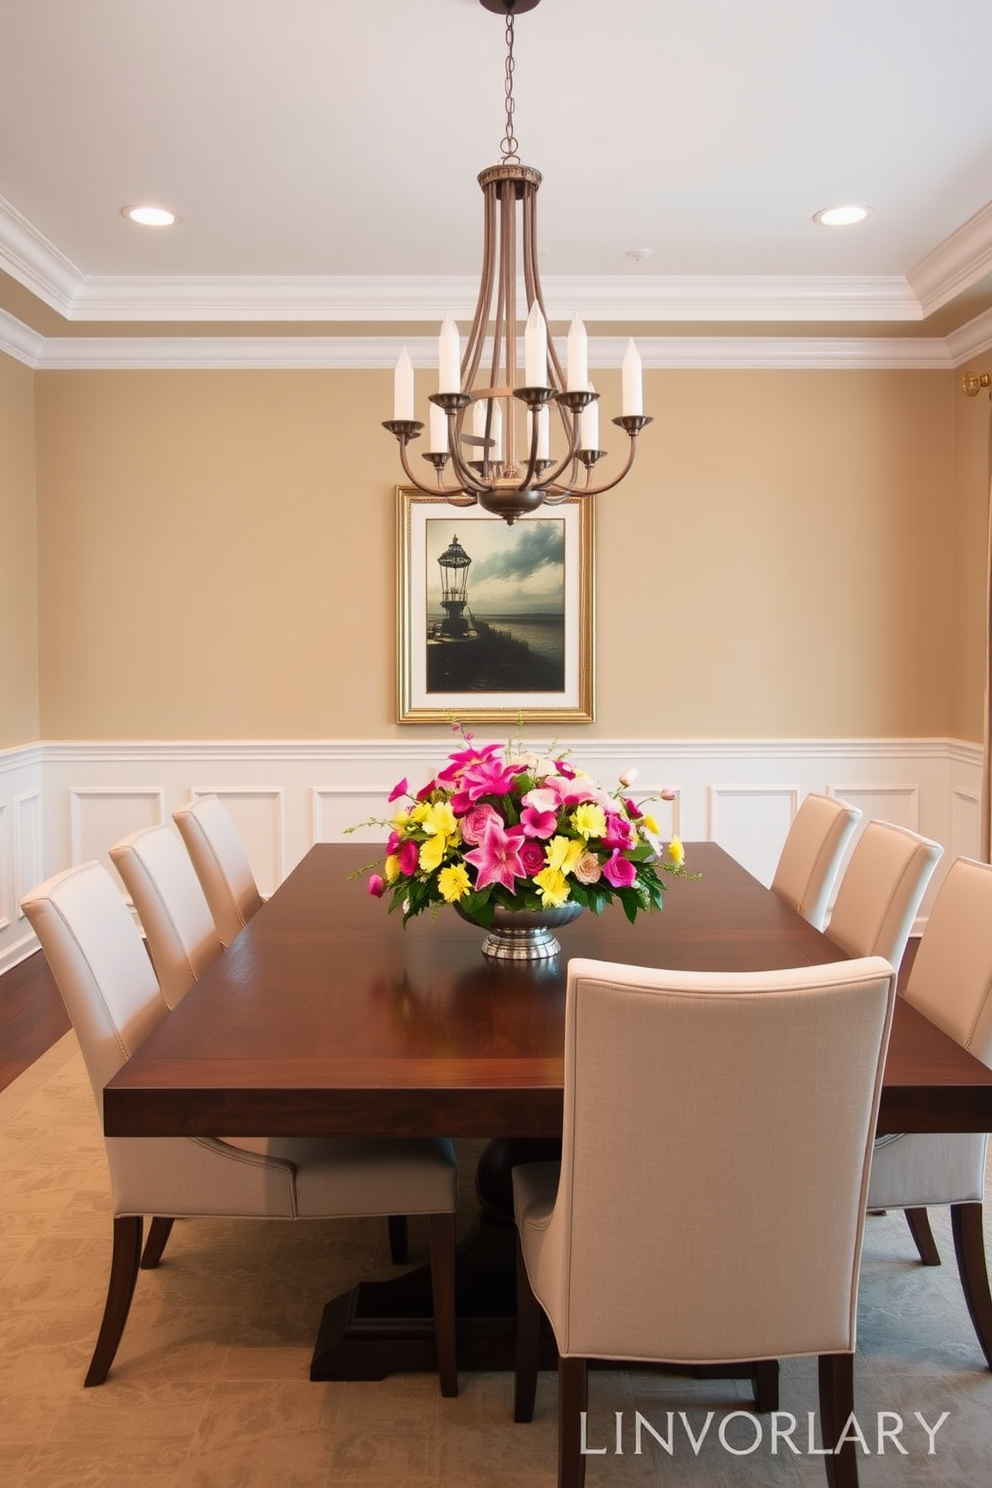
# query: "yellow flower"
[[563, 853], [553, 885], [589, 819], [432, 853], [649, 824], [401, 820], [420, 813], [391, 868], [453, 882], [439, 819], [676, 851]]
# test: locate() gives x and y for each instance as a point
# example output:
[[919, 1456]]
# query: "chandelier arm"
[[598, 490], [427, 490], [477, 335], [468, 481], [508, 288]]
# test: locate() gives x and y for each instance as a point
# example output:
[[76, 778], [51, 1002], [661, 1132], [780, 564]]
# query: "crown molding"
[[971, 340], [19, 341], [955, 264], [417, 298], [369, 353], [34, 261]]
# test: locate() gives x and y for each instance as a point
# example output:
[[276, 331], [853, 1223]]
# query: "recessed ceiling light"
[[639, 253], [149, 216], [841, 216]]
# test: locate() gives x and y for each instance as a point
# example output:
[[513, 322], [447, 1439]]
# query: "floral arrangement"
[[500, 826]]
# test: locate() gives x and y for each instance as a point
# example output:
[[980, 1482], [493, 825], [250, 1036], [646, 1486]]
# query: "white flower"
[[627, 777]]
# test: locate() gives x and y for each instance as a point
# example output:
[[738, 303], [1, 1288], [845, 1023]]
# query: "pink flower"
[[459, 763], [475, 822], [619, 832], [497, 859], [619, 871], [564, 768], [532, 858], [489, 778], [427, 790], [409, 856], [401, 789], [393, 845], [538, 823], [633, 810], [377, 885]]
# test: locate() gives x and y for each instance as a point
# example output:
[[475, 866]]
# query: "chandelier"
[[503, 462]]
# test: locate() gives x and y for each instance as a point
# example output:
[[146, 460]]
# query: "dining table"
[[328, 1016]]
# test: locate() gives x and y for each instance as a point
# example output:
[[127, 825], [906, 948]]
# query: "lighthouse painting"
[[496, 612], [494, 620]]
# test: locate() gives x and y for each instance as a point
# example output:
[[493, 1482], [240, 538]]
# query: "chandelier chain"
[[508, 144]]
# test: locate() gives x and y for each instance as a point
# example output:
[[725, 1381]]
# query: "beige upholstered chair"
[[811, 856], [113, 999], [181, 935], [221, 864], [179, 928], [881, 890], [951, 983], [710, 1200]]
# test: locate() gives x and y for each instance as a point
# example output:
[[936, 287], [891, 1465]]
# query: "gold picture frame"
[[494, 622]]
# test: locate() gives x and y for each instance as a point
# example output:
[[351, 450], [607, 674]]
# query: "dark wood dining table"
[[326, 1016]]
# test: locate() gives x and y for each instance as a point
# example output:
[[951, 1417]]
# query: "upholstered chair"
[[951, 983], [881, 890], [221, 863], [179, 928], [709, 1203], [808, 864], [109, 988]]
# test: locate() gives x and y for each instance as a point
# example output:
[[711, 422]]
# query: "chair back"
[[717, 1140], [102, 969], [221, 863], [811, 856], [179, 928], [882, 888], [951, 978]]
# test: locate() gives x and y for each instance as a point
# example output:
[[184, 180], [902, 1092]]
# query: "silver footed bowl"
[[524, 934]]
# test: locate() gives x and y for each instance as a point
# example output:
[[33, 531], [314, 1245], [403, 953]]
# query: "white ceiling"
[[310, 144]]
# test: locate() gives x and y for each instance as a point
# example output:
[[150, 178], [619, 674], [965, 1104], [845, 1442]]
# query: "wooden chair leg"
[[527, 1345], [120, 1290], [442, 1244], [969, 1247], [399, 1239], [573, 1399], [919, 1227], [764, 1381], [158, 1233], [836, 1407]]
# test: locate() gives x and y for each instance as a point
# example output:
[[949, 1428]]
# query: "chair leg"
[[120, 1290], [527, 1345], [158, 1233], [836, 1408], [919, 1227], [969, 1247], [399, 1239], [442, 1244], [764, 1382], [573, 1399]]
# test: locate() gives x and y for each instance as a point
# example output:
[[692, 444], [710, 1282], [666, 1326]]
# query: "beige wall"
[[217, 557], [19, 721], [972, 474]]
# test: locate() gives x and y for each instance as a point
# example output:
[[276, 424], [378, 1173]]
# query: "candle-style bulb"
[[449, 358], [438, 443], [589, 425], [577, 365], [403, 387], [632, 397], [535, 349]]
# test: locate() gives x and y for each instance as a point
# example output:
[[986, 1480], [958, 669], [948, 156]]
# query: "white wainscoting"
[[63, 803]]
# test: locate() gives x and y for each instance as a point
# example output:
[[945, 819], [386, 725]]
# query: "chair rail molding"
[[64, 801]]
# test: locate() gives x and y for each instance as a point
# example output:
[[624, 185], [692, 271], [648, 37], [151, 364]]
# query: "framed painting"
[[494, 621]]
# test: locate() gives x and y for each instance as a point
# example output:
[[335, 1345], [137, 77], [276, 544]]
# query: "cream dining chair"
[[881, 890], [109, 988], [182, 941], [179, 929], [709, 1204], [221, 863], [951, 983], [807, 867]]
